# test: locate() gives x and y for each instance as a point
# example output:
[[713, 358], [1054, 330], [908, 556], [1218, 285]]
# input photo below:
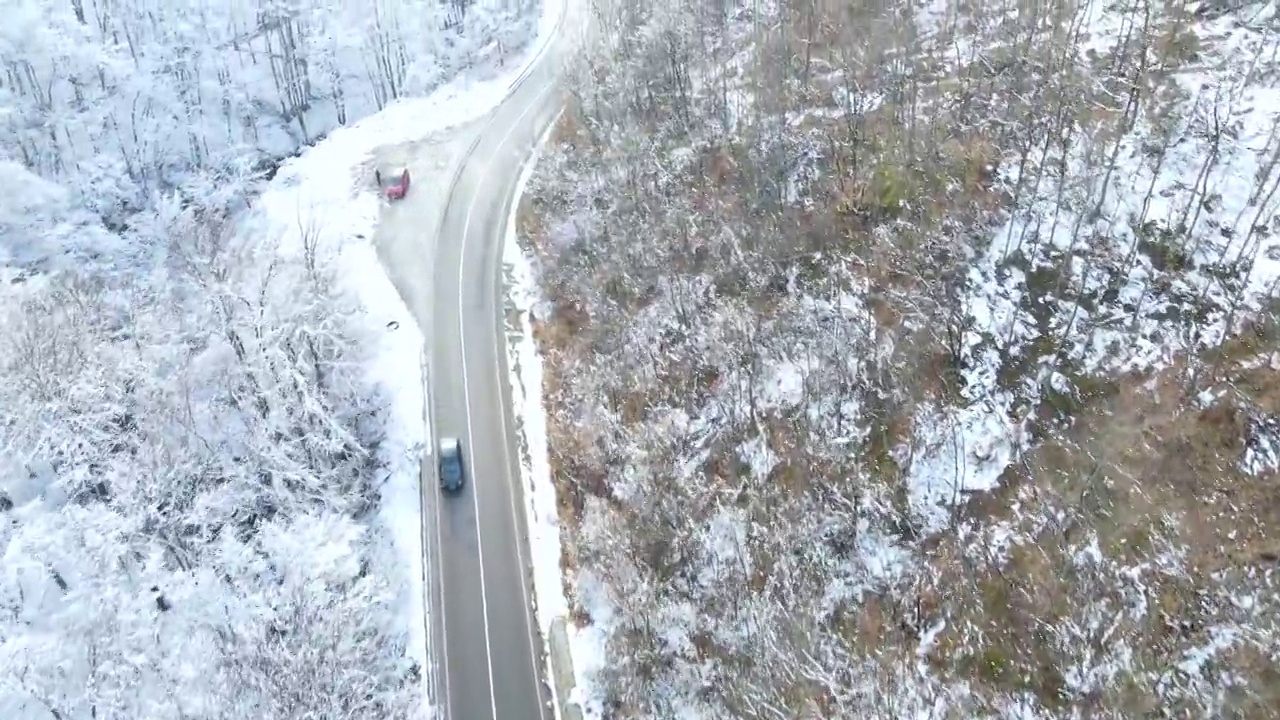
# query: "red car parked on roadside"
[[396, 189]]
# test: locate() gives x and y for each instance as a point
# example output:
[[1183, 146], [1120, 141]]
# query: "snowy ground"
[[326, 194], [525, 367]]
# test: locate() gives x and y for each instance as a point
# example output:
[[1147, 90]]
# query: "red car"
[[396, 189]]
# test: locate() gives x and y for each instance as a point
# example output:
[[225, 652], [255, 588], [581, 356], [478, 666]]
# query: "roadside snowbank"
[[525, 368], [524, 365]]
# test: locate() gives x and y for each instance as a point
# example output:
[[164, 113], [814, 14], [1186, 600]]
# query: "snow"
[[877, 559], [934, 17], [757, 454], [787, 386], [589, 642], [726, 542], [957, 452], [326, 194], [928, 639], [1261, 446], [541, 506], [525, 367], [1195, 659]]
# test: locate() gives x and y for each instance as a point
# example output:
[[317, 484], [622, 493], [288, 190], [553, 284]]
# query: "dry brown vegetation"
[[1140, 469], [1124, 565]]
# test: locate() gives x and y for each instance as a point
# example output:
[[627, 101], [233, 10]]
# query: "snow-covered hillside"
[[919, 362]]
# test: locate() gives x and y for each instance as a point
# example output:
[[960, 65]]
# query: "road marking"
[[443, 660], [466, 390], [428, 571]]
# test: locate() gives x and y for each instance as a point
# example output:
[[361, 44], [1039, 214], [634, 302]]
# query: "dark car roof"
[[450, 462]]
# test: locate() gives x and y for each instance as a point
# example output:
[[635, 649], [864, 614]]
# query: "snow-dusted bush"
[[188, 463]]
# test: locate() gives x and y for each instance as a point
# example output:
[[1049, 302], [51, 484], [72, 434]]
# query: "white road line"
[[466, 390], [428, 627], [443, 660], [500, 347]]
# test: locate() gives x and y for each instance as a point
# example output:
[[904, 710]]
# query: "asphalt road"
[[484, 627]]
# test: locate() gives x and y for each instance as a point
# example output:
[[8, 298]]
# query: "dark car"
[[450, 464]]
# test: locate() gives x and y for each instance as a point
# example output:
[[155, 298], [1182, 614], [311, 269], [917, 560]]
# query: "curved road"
[[488, 650]]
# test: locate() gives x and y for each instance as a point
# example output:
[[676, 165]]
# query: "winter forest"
[[919, 360], [133, 98], [190, 451]]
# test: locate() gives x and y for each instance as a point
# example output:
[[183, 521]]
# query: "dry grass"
[[1142, 470], [873, 182], [1132, 462]]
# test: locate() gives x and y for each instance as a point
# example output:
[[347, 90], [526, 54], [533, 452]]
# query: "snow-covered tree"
[[188, 466]]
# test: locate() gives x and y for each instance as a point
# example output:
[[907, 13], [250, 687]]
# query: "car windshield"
[[450, 460]]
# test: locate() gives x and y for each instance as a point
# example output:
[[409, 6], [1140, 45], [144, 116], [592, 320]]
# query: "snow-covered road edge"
[[320, 193], [524, 367]]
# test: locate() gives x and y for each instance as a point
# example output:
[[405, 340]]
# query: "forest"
[[192, 453], [119, 101], [918, 360]]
